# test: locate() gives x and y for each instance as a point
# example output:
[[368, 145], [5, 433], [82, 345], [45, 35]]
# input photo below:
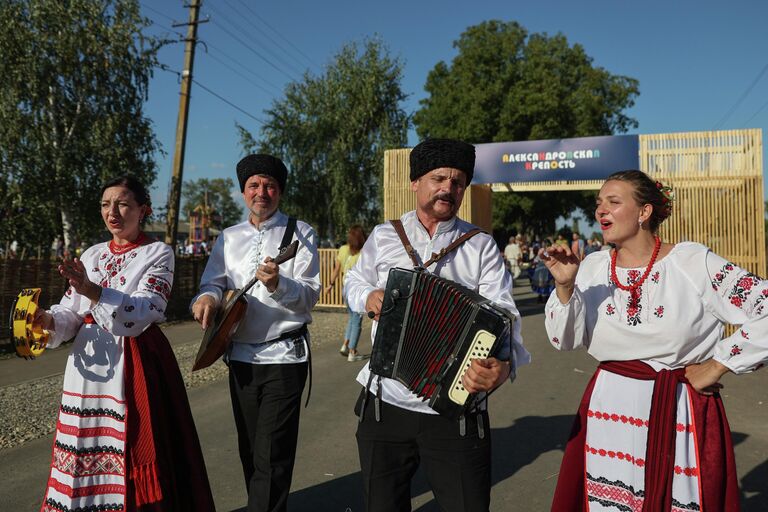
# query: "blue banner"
[[585, 158]]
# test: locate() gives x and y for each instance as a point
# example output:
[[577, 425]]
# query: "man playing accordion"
[[397, 429]]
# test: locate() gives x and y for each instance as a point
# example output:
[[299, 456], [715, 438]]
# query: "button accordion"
[[429, 331]]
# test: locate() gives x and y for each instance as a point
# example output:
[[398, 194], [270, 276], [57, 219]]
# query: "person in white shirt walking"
[[269, 353], [455, 454], [513, 254]]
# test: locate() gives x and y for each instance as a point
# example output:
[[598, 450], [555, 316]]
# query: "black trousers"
[[457, 467], [266, 401]]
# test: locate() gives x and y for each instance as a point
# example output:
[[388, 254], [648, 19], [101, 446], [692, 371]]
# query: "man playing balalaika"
[[398, 429]]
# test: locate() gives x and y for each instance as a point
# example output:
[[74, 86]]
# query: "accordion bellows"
[[429, 330]]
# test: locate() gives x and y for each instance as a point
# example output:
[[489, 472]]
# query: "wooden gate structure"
[[717, 177]]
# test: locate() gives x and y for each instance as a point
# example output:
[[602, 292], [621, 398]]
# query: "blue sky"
[[702, 65]]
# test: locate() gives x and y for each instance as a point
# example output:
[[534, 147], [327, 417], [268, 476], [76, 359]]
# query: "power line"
[[742, 98], [269, 38], [166, 27], [256, 52], [225, 100], [309, 60], [261, 121], [145, 6], [257, 76], [271, 93], [756, 113], [264, 89]]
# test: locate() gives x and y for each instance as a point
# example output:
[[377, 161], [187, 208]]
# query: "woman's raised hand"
[[563, 265], [74, 272]]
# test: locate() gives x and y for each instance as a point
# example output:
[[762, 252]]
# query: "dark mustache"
[[444, 197]]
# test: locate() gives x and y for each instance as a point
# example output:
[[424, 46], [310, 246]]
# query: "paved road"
[[530, 420]]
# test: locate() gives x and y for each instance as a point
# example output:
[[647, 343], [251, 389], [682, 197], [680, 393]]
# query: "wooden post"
[[174, 196]]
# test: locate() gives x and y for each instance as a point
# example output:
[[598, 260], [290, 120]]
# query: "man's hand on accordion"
[[485, 374], [373, 303]]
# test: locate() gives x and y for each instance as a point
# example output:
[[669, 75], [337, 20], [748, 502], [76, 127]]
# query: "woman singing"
[[124, 438], [651, 432]]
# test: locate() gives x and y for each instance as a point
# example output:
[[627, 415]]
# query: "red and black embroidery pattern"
[[659, 311], [158, 285], [111, 267], [721, 275], [610, 310], [555, 340], [634, 308], [655, 277], [742, 289], [735, 350], [624, 497], [759, 301], [97, 461]]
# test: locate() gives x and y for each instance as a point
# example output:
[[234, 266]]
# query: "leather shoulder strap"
[[436, 256], [288, 235], [406, 243]]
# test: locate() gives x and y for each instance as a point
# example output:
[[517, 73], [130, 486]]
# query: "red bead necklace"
[[120, 249], [640, 281]]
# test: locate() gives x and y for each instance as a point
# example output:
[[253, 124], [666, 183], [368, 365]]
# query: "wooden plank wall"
[[333, 297], [717, 178], [399, 198]]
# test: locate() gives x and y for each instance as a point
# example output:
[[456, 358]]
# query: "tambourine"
[[28, 340]]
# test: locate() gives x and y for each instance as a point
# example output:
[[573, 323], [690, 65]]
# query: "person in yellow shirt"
[[345, 260]]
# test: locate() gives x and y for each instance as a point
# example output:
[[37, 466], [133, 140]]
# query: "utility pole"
[[174, 196]]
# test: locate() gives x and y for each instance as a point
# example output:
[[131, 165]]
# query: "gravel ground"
[[29, 409]]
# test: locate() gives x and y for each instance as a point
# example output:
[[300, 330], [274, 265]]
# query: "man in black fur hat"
[[268, 356], [397, 430]]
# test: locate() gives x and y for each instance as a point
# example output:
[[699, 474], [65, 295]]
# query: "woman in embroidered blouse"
[[124, 438], [651, 431]]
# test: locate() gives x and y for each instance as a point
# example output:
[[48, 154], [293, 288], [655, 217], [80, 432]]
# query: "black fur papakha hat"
[[261, 164], [435, 153]]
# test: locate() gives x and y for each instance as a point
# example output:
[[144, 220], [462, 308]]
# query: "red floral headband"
[[667, 198]]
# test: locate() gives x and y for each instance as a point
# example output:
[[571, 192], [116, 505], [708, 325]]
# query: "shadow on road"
[[514, 447], [754, 491]]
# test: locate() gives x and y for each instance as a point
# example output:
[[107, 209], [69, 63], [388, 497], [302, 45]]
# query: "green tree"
[[331, 131], [75, 76], [217, 194], [508, 85]]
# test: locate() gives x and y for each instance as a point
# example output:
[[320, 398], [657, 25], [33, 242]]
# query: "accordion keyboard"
[[480, 348]]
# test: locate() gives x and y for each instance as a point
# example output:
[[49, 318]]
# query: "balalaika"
[[429, 331]]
